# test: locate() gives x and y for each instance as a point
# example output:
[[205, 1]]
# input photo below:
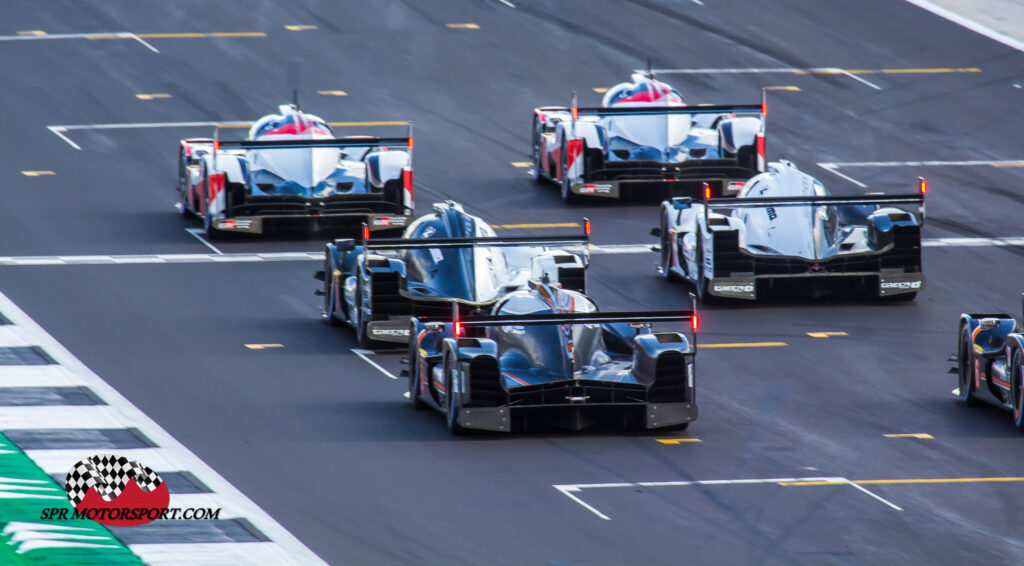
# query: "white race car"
[[783, 229], [645, 138], [293, 172]]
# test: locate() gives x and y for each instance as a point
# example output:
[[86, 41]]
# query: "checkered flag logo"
[[109, 475]]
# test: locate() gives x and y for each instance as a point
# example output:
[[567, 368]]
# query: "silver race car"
[[783, 231]]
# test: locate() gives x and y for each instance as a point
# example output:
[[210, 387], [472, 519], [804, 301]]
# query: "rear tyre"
[[965, 367], [414, 377], [567, 195], [330, 304], [666, 253], [362, 331], [209, 231], [701, 282], [1017, 389], [452, 405], [538, 176]]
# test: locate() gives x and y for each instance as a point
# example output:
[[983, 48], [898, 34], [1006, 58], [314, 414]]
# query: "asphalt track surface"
[[327, 445]]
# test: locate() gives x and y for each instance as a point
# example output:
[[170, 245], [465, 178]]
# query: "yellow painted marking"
[[790, 88], [392, 123], [299, 28], [522, 164], [920, 435], [32, 32], [463, 26], [1014, 164], [907, 481], [744, 345], [238, 34], [825, 334], [152, 96], [545, 225], [332, 92], [676, 440], [600, 89], [37, 173], [927, 71], [222, 126], [263, 346]]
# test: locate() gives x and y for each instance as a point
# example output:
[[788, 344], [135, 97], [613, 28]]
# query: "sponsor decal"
[[732, 288], [389, 331], [735, 186], [772, 215], [591, 188], [389, 221], [113, 490], [901, 285], [231, 224]]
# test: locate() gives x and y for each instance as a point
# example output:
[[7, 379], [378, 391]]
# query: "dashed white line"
[[858, 79], [872, 494], [970, 163], [831, 168]]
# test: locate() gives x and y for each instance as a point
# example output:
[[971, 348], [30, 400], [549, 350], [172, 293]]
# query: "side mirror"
[[682, 203], [989, 323], [320, 275], [318, 292], [656, 232]]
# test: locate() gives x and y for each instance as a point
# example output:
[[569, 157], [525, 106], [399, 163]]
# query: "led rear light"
[[694, 322], [922, 185], [586, 226], [366, 233]]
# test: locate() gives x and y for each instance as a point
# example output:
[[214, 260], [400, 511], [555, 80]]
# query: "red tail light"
[[707, 191], [764, 108], [586, 227], [410, 143], [694, 322], [458, 328], [366, 233], [216, 146], [575, 112], [922, 185]]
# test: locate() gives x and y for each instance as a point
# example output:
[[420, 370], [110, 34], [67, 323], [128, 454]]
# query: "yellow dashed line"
[[463, 26], [37, 173], [238, 34], [1013, 164], [32, 32], [600, 89], [825, 334], [788, 87], [906, 481], [332, 92], [263, 346], [152, 96], [546, 225], [920, 435], [522, 164], [676, 440], [926, 71], [300, 28], [744, 345]]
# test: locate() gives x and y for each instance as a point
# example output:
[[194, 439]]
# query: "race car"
[[444, 258], [546, 355], [990, 362], [292, 172], [783, 232], [646, 139]]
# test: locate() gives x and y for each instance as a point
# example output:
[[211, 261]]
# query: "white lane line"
[[507, 3], [14, 261], [199, 235], [872, 494], [831, 168], [144, 42], [60, 130], [569, 490], [858, 79], [60, 133], [969, 24], [698, 2], [364, 353], [61, 36], [972, 163], [292, 551]]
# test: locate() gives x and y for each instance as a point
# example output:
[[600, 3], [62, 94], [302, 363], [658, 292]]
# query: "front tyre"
[[414, 377], [965, 369], [666, 252], [1017, 389], [330, 301], [361, 324], [701, 281], [567, 195]]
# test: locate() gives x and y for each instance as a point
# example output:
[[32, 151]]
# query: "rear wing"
[[766, 202], [658, 110], [488, 241], [300, 144], [578, 318]]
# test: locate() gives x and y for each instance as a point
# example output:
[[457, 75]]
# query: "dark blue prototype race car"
[[990, 362], [546, 354]]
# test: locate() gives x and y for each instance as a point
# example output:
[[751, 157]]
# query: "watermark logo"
[[116, 491]]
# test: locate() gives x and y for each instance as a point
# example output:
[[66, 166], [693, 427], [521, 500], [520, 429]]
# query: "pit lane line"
[[834, 167], [199, 235]]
